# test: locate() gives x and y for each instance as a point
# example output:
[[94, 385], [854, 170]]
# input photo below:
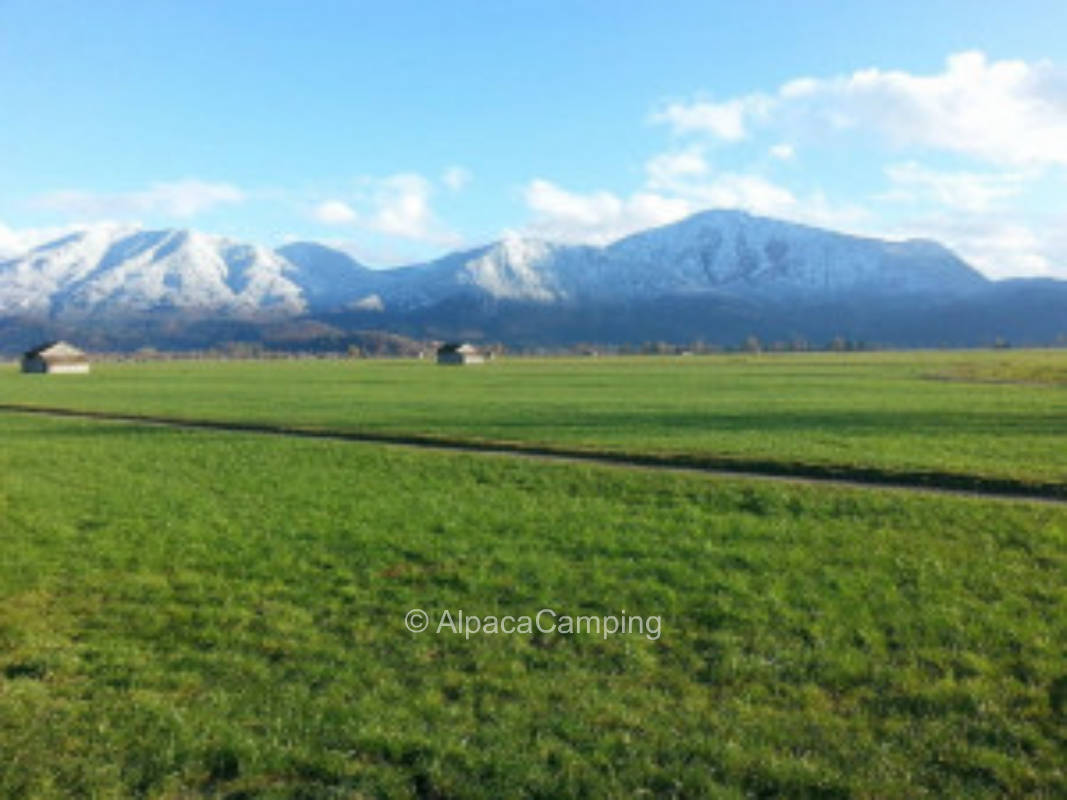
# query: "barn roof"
[[457, 347], [56, 349]]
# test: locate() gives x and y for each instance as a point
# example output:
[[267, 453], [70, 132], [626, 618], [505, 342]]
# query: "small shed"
[[55, 358], [457, 353]]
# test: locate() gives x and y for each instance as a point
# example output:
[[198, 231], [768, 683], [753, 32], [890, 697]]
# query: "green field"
[[193, 613], [986, 414]]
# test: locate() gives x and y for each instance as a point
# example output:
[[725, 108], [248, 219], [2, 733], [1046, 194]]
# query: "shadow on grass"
[[853, 423], [928, 479]]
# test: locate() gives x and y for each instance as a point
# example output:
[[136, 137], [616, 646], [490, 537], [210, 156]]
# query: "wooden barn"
[[456, 353], [55, 358]]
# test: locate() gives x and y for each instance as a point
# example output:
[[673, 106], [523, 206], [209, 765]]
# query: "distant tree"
[[242, 349], [656, 348], [752, 345], [147, 354]]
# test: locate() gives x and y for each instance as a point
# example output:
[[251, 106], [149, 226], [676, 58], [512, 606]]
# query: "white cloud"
[[456, 178], [758, 195], [783, 152], [999, 247], [649, 209], [334, 212], [687, 176], [678, 183], [1005, 112], [596, 217], [545, 198], [403, 206], [666, 168], [10, 242], [818, 209], [726, 121], [185, 198], [749, 192], [601, 217], [969, 191], [393, 206]]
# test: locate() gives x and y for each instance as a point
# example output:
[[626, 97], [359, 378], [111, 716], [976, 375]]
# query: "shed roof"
[[457, 347], [55, 349]]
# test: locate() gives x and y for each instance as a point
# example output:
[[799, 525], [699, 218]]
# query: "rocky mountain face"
[[712, 276]]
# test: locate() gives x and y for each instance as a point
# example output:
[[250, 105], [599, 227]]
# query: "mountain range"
[[719, 276]]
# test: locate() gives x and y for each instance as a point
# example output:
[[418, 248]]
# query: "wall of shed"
[[39, 366], [33, 365], [68, 369], [456, 359]]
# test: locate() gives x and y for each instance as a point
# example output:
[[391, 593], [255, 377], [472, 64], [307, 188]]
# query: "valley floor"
[[222, 614], [970, 415]]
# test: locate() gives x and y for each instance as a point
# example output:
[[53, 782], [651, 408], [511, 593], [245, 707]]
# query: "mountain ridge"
[[117, 269], [741, 269]]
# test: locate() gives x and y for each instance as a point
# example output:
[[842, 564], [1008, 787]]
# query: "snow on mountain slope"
[[329, 278], [111, 270], [514, 269], [726, 253], [28, 282], [511, 269], [736, 253]]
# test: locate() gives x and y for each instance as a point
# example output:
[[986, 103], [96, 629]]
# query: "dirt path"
[[940, 483]]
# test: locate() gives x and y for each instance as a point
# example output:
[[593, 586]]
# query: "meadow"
[[222, 615], [190, 613], [961, 417]]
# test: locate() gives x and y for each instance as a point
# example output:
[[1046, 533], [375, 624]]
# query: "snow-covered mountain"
[[118, 271], [727, 253], [741, 254], [114, 271]]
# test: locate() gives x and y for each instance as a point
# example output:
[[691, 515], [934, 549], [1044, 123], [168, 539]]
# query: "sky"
[[403, 130]]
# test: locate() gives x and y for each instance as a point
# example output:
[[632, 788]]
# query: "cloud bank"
[[182, 199], [1004, 112]]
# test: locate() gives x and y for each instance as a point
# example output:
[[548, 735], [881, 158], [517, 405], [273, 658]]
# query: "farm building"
[[457, 353], [56, 358]]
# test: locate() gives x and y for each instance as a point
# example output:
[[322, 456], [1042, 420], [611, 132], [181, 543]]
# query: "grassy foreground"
[[189, 613], [987, 414]]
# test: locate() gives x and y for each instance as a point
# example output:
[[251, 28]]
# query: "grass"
[[207, 614], [877, 411], [1011, 368]]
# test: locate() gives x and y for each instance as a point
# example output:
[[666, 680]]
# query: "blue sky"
[[404, 130]]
